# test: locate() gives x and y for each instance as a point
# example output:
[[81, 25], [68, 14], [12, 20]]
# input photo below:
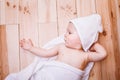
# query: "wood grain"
[[4, 68], [85, 7], [2, 12], [108, 65], [47, 11], [11, 11], [115, 15], [119, 3], [12, 37], [48, 28], [66, 10]]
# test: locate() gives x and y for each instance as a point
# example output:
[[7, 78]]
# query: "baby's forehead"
[[71, 26]]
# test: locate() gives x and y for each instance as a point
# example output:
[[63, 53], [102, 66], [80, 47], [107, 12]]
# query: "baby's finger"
[[20, 41], [30, 41], [23, 40], [21, 45]]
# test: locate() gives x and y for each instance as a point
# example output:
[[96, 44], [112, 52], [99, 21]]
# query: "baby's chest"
[[73, 56], [78, 61]]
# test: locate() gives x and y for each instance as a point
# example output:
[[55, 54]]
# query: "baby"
[[79, 48], [70, 52]]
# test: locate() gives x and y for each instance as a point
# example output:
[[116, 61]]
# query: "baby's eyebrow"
[[67, 29], [71, 30]]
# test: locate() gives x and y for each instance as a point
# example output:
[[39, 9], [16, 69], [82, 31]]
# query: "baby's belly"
[[77, 64]]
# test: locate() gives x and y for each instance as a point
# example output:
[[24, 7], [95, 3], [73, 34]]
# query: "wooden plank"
[[11, 11], [0, 72], [0, 64], [115, 16], [28, 28], [118, 19], [47, 31], [85, 7], [0, 69], [66, 10], [119, 11], [2, 12], [13, 47], [48, 14], [118, 22], [95, 73], [0, 56], [47, 21], [3, 53], [108, 65], [119, 4]]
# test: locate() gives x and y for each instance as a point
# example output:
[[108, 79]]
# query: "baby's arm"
[[99, 54], [28, 45]]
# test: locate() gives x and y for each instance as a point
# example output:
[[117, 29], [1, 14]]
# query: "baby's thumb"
[[30, 41]]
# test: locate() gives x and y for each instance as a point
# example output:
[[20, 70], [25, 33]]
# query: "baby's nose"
[[65, 35]]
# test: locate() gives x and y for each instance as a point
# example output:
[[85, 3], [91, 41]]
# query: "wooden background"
[[43, 20]]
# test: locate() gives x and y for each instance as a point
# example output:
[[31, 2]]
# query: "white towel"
[[87, 28], [55, 70]]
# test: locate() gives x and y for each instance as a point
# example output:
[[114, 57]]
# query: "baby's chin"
[[72, 47], [68, 46]]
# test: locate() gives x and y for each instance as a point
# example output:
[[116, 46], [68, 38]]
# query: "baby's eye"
[[69, 32]]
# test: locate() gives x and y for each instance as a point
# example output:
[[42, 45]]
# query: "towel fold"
[[55, 70]]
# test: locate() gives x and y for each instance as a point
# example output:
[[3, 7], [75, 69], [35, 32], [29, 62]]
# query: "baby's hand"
[[26, 44], [97, 53]]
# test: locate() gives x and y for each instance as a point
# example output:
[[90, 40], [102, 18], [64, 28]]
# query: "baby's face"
[[71, 37]]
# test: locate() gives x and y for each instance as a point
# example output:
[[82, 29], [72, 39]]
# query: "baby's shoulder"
[[61, 45]]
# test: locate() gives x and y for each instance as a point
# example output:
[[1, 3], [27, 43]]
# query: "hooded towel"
[[88, 28]]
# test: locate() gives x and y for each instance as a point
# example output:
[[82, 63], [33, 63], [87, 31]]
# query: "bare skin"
[[70, 52]]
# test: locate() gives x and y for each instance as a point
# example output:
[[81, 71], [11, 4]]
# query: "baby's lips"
[[65, 39]]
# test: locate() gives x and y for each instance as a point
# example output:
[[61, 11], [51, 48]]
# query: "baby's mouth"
[[65, 39]]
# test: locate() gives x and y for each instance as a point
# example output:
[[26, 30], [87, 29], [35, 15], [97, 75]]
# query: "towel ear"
[[100, 28], [96, 38]]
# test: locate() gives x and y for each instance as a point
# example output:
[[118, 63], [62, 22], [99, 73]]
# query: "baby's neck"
[[79, 49]]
